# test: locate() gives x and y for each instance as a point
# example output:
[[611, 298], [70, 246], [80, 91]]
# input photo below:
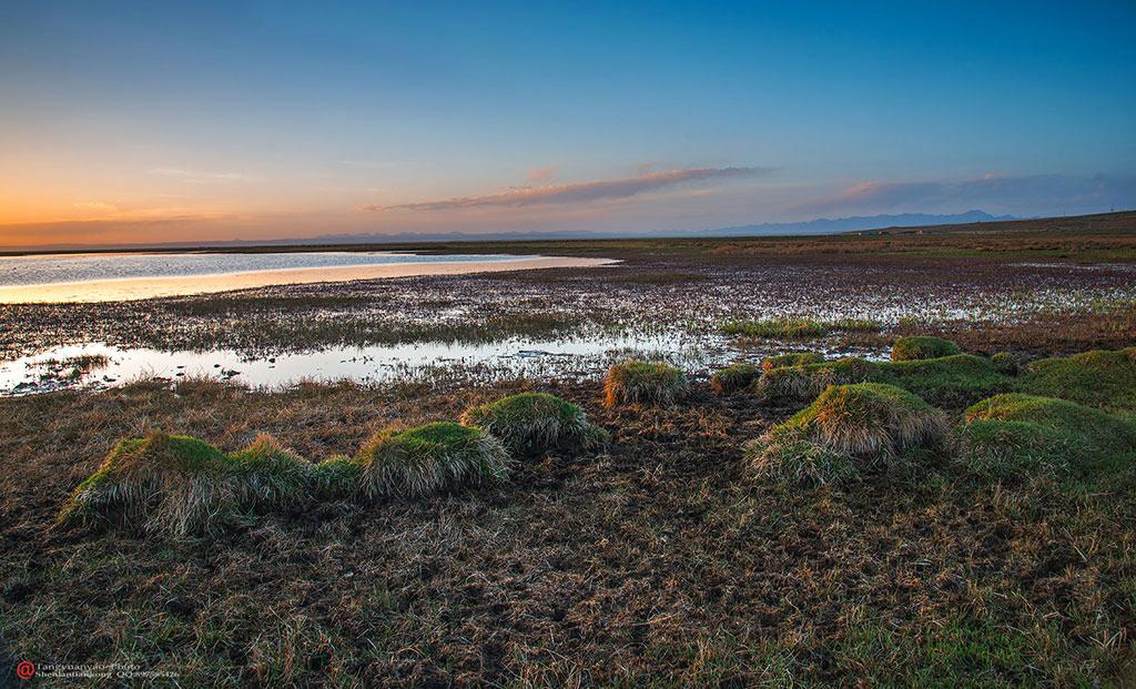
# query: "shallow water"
[[571, 358], [117, 277]]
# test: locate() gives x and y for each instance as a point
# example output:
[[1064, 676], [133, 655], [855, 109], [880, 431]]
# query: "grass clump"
[[855, 325], [1009, 363], [335, 478], [776, 328], [644, 382], [791, 359], [177, 485], [922, 347], [1101, 378], [429, 459], [799, 384], [267, 474], [1017, 435], [535, 422], [169, 484], [734, 378], [847, 430], [952, 381]]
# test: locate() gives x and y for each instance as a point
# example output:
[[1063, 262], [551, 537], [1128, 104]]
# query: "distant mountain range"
[[853, 224], [808, 227]]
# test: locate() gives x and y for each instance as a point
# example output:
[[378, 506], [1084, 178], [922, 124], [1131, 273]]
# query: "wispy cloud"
[[582, 192], [104, 207], [540, 175], [377, 164], [1027, 194], [199, 177]]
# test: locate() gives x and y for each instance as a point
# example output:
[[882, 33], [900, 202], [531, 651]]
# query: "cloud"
[[538, 175], [198, 177], [582, 192], [104, 207], [1028, 195], [376, 164]]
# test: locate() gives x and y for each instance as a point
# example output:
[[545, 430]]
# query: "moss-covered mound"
[[535, 422], [433, 458], [951, 381], [644, 382], [922, 347], [1102, 378], [265, 473], [800, 384], [847, 430], [1018, 435], [335, 478], [1010, 363], [734, 378], [178, 485], [791, 359]]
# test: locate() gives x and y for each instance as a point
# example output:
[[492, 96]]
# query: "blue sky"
[[215, 120]]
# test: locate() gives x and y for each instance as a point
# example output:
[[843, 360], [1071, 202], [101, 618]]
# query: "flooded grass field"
[[565, 322]]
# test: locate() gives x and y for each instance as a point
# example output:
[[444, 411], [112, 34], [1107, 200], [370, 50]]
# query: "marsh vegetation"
[[803, 516]]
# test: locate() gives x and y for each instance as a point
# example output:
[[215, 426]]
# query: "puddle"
[[52, 369], [98, 365]]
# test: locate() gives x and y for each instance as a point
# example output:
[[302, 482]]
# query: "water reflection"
[[98, 365], [69, 366], [98, 278]]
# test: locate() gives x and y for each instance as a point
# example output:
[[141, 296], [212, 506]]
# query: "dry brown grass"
[[657, 565]]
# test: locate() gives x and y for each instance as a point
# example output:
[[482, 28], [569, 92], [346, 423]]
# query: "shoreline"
[[138, 288]]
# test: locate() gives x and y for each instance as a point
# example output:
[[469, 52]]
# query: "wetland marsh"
[[707, 534]]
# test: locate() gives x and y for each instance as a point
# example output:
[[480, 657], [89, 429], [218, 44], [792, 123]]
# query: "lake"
[[53, 278]]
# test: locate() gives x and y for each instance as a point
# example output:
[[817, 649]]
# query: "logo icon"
[[25, 669]]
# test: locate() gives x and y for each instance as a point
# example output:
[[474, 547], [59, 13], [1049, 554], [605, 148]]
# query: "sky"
[[152, 122]]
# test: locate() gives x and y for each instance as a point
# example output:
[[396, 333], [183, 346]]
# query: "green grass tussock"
[[1017, 436], [847, 430], [1009, 363], [335, 478], [1012, 450], [644, 382], [799, 384], [429, 459], [791, 359], [177, 486], [734, 378], [535, 422], [170, 484], [922, 347], [1101, 378], [951, 381], [266, 473]]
